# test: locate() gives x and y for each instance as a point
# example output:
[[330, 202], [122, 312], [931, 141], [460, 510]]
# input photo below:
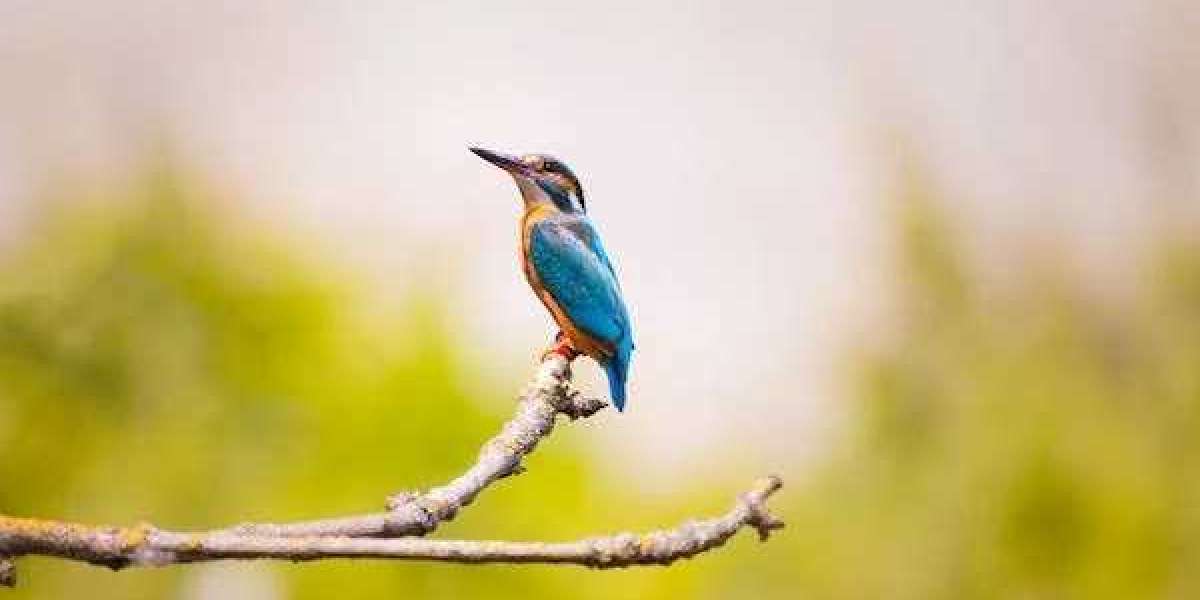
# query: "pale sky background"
[[734, 154]]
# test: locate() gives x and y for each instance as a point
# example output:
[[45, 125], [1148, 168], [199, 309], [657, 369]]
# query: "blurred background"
[[936, 263]]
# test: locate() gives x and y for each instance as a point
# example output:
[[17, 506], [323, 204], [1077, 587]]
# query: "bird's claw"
[[562, 347]]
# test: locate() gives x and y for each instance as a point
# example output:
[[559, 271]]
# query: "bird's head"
[[541, 178]]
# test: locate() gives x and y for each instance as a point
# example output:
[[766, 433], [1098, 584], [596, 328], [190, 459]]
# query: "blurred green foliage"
[[162, 360], [1015, 440]]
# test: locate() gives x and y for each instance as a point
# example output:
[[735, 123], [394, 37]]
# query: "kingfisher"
[[567, 267]]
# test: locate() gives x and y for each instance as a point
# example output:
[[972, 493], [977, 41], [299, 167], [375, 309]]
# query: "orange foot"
[[562, 346]]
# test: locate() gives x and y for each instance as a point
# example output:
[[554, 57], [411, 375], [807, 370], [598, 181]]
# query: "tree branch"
[[409, 514], [144, 545], [548, 395]]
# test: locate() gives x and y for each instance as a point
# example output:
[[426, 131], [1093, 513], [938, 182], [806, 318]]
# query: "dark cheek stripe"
[[560, 197]]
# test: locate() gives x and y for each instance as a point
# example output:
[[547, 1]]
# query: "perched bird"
[[567, 267]]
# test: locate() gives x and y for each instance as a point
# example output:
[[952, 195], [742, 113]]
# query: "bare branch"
[[548, 395], [409, 514], [145, 545]]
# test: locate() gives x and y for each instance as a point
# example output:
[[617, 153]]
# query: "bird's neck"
[[537, 211], [531, 193]]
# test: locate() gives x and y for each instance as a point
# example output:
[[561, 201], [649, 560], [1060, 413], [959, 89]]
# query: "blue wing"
[[564, 254], [574, 268]]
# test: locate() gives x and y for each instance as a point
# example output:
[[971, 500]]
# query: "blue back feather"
[[573, 267]]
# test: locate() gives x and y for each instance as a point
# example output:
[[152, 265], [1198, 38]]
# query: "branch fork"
[[397, 532]]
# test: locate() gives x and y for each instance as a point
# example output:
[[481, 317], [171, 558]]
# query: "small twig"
[[410, 513], [147, 546]]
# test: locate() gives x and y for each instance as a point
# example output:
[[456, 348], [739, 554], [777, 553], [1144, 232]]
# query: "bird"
[[566, 265]]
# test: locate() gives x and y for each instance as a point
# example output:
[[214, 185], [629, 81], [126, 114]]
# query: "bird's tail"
[[617, 369]]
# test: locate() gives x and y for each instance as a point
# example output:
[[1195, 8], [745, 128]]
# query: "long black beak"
[[504, 161]]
